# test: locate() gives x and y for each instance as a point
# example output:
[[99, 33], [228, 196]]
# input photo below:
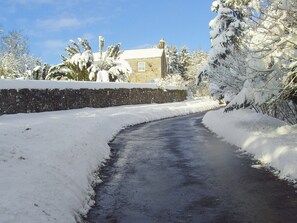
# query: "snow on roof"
[[141, 53], [135, 54]]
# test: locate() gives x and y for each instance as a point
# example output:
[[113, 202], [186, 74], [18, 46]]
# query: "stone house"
[[148, 64]]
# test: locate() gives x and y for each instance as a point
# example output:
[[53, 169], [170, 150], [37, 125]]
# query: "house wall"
[[155, 68], [152, 70]]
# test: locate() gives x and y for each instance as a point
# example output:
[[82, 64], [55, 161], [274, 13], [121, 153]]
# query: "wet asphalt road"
[[176, 170]]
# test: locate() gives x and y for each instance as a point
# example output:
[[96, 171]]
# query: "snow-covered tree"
[[179, 62], [253, 57], [40, 71], [15, 61], [184, 61], [226, 34], [197, 62], [183, 68], [173, 60], [171, 80], [79, 64], [110, 65], [271, 65], [75, 65], [280, 23]]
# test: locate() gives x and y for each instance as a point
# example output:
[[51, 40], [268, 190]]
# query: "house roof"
[[141, 53], [137, 54]]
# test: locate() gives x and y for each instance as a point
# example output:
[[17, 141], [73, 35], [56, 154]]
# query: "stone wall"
[[39, 100]]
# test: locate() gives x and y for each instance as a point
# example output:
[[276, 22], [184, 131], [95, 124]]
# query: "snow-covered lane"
[[47, 160], [176, 170]]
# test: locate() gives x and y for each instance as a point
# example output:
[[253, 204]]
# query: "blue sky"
[[50, 24]]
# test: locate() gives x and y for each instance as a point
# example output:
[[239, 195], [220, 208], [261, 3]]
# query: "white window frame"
[[141, 66]]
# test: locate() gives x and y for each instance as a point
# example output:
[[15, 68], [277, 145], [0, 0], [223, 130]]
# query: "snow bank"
[[271, 141], [47, 160]]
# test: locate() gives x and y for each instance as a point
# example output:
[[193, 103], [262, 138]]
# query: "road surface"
[[176, 170]]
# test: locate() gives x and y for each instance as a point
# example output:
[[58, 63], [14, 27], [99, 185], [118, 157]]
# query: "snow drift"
[[271, 141]]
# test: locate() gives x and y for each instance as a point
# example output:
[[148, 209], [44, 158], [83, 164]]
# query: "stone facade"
[[155, 68], [14, 101]]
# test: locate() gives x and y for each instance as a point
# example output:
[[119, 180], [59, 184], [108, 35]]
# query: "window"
[[141, 66]]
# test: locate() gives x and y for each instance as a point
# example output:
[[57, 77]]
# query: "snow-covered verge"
[[271, 141], [48, 160]]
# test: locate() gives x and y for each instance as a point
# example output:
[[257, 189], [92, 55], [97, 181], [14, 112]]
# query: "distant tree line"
[[182, 67]]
